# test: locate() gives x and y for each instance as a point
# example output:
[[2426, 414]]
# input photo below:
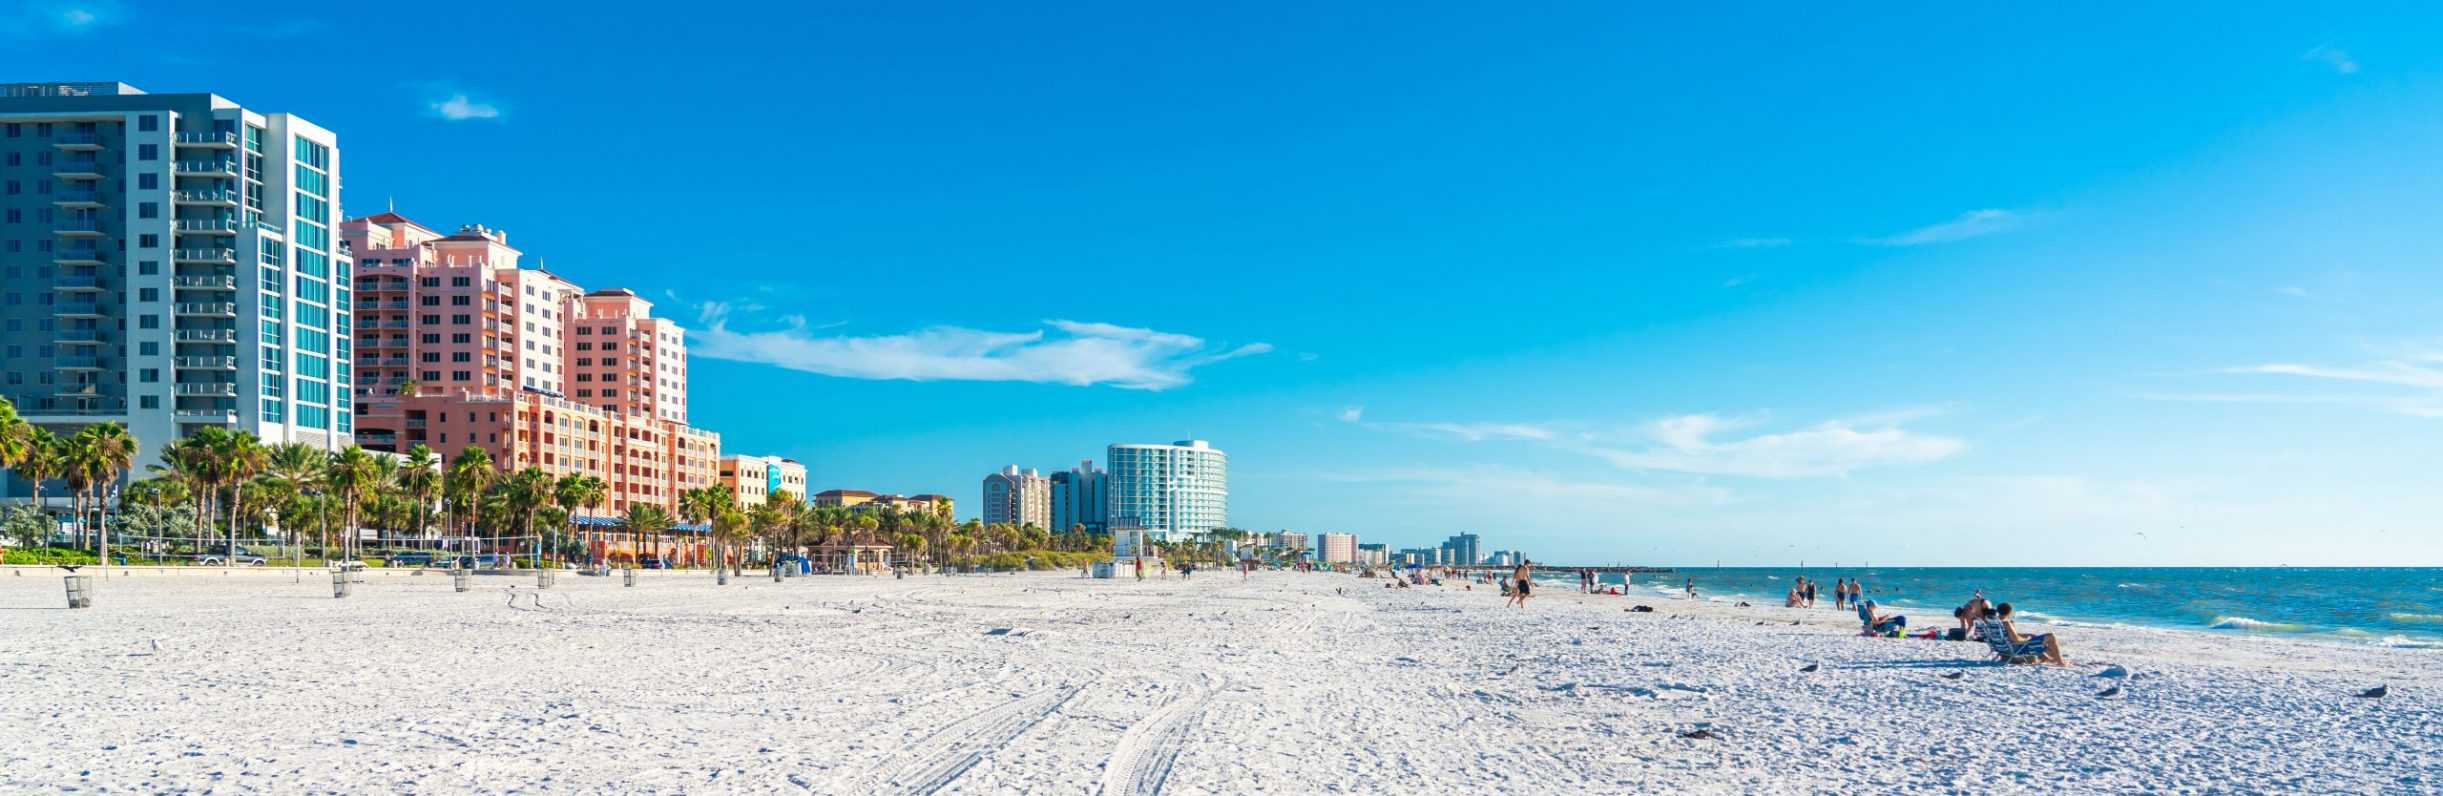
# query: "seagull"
[[2377, 692], [1699, 734], [2109, 693], [71, 569], [2115, 670], [1955, 675], [1812, 667]]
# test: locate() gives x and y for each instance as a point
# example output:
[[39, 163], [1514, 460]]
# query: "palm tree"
[[420, 479], [41, 460], [178, 466], [466, 482], [352, 477], [16, 436], [102, 454], [645, 519], [704, 504], [299, 469], [240, 456], [730, 525], [528, 491], [409, 389], [575, 491]]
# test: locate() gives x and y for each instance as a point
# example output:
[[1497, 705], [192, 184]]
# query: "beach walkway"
[[1286, 683]]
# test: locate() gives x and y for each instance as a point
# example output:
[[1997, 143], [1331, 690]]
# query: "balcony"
[[209, 226], [82, 198], [82, 309], [212, 139], [206, 336], [78, 257], [77, 169], [207, 168], [219, 256], [207, 363], [77, 363], [204, 198], [207, 415], [77, 142], [76, 283], [78, 336], [77, 227], [226, 389], [220, 282], [206, 309]]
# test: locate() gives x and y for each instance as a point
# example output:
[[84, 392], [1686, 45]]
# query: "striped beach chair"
[[1998, 639]]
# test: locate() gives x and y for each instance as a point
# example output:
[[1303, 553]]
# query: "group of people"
[[1979, 620], [1845, 592]]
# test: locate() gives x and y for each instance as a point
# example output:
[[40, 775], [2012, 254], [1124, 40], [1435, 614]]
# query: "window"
[[148, 151], [149, 375], [429, 339], [148, 181], [148, 209], [148, 267], [144, 401], [459, 281], [148, 123], [462, 320], [148, 241]]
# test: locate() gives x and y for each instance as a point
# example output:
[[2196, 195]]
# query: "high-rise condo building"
[[1336, 548], [520, 362], [1461, 550], [1018, 497], [1169, 491], [755, 479], [1081, 497], [169, 264]]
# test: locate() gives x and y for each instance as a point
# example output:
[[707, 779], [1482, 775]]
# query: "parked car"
[[414, 558], [653, 563], [485, 561], [218, 555]]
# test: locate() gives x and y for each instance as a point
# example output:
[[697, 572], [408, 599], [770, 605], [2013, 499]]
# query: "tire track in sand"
[[1141, 763], [939, 759]]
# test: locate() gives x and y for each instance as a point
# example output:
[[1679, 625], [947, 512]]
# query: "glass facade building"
[[1169, 491]]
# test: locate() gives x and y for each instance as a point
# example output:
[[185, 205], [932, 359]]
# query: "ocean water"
[[2401, 607]]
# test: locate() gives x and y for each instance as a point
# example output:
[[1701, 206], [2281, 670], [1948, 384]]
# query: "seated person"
[[1879, 624], [2008, 642], [1976, 609]]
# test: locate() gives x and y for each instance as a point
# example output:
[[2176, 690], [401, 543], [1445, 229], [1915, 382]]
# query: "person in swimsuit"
[[1525, 585]]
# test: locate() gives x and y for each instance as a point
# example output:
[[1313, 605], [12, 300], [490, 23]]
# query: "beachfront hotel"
[[1018, 497], [1336, 548], [520, 362], [1169, 491], [862, 501], [755, 479], [170, 264], [1081, 497]]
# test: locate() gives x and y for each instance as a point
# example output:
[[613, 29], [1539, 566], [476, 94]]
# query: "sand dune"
[[260, 681]]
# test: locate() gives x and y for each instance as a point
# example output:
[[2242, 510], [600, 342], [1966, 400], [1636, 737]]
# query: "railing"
[[76, 308], [206, 255], [208, 363], [228, 167], [81, 282], [78, 335], [207, 335], [77, 225], [79, 256], [76, 139], [79, 166], [203, 197], [207, 308], [78, 363], [202, 414], [207, 225], [208, 138], [221, 388], [84, 196], [223, 282]]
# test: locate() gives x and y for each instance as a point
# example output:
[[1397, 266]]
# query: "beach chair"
[[2006, 653]]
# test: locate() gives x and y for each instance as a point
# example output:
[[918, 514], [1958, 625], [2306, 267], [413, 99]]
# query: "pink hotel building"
[[517, 361]]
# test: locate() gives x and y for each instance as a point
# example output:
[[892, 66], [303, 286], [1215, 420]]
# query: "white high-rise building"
[[1170, 491], [170, 264], [1018, 497], [1336, 548]]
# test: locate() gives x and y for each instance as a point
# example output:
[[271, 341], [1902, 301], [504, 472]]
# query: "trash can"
[[458, 578], [721, 577], [343, 583], [628, 576], [543, 578], [80, 591], [776, 572]]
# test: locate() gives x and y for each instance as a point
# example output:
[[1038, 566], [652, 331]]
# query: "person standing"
[[1523, 576], [1692, 588]]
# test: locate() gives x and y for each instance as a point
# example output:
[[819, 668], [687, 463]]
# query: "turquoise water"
[[2400, 607]]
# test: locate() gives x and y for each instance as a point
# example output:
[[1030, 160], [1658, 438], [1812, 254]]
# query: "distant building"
[[1421, 556], [842, 498], [1461, 550], [1081, 496], [756, 478], [862, 500], [1018, 497], [1169, 491], [1287, 542], [1336, 548], [1373, 555]]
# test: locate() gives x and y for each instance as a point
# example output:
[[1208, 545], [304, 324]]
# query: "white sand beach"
[[259, 681]]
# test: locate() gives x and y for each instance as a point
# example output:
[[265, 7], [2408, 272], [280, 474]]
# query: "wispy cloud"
[[2332, 57], [42, 18], [1753, 243], [1471, 432], [1470, 484], [1069, 352], [1704, 444], [1971, 224], [459, 107]]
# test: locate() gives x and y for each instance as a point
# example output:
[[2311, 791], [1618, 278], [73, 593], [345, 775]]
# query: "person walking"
[[1525, 583]]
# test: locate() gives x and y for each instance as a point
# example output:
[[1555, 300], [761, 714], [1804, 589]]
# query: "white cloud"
[[1971, 224], [1071, 352], [1754, 243], [1471, 432], [35, 18], [1469, 485], [459, 108], [2337, 59], [2411, 384], [1696, 444]]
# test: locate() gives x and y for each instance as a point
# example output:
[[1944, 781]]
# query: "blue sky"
[[2080, 285]]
